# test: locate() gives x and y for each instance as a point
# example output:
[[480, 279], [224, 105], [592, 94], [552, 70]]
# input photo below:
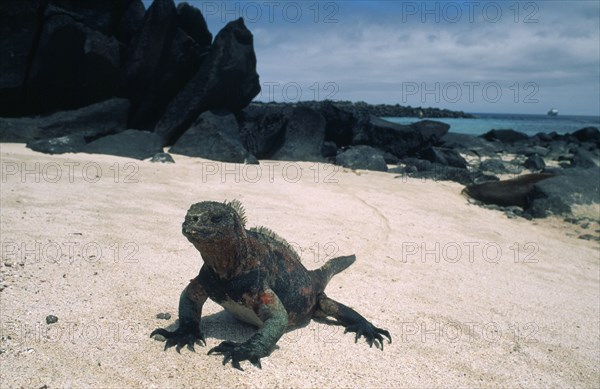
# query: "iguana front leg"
[[271, 311], [189, 333], [352, 320]]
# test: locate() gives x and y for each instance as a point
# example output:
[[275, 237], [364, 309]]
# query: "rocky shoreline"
[[329, 133], [130, 81]]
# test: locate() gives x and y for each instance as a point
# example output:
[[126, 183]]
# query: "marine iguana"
[[257, 276]]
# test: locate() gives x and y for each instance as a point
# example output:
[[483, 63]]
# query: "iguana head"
[[211, 222]]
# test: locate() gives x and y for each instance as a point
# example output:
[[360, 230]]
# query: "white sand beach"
[[471, 297]]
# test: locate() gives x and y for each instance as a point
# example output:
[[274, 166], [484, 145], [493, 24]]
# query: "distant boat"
[[553, 112]]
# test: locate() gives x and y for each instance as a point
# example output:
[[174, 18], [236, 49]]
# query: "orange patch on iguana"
[[306, 291], [266, 298]]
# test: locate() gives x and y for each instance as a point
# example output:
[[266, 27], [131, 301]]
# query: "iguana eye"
[[216, 219]]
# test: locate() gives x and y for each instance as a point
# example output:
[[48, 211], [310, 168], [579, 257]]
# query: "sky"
[[476, 56]]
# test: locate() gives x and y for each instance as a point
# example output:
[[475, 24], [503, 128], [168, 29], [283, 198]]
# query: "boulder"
[[444, 156], [556, 196], [263, 135], [419, 165], [583, 158], [304, 137], [96, 120], [530, 150], [495, 166], [588, 134], [534, 162], [160, 61], [162, 158], [400, 140], [215, 136], [362, 157], [469, 144], [129, 143], [74, 143], [431, 130], [20, 22], [504, 136], [227, 79]]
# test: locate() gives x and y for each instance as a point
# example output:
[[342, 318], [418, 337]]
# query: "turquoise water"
[[529, 124]]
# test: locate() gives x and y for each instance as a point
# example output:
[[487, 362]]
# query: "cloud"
[[371, 49]]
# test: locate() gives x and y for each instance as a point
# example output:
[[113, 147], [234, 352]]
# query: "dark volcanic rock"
[[504, 136], [162, 158], [74, 143], [530, 150], [420, 165], [439, 172], [583, 159], [73, 66], [20, 22], [304, 137], [160, 61], [131, 21], [443, 156], [339, 124], [107, 117], [558, 194], [215, 136], [263, 134], [469, 143], [495, 166], [534, 162], [362, 157], [329, 149], [400, 140], [104, 16], [192, 23], [227, 79], [431, 130], [129, 143], [588, 134]]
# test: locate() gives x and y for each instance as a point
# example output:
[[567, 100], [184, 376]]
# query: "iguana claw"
[[181, 337], [236, 352], [371, 333]]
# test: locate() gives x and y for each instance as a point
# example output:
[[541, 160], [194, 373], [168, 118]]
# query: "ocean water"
[[528, 124]]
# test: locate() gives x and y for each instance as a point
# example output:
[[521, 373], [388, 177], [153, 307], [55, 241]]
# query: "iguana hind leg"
[[351, 320]]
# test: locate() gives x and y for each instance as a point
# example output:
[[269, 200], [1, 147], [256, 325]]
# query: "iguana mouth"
[[195, 232]]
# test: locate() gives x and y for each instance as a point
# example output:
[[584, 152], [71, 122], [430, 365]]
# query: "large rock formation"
[[161, 60], [67, 54], [19, 27], [227, 80]]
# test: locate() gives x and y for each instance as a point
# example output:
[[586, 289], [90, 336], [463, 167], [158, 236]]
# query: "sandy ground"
[[471, 297]]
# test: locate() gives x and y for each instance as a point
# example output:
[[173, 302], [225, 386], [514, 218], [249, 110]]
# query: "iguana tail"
[[331, 268]]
